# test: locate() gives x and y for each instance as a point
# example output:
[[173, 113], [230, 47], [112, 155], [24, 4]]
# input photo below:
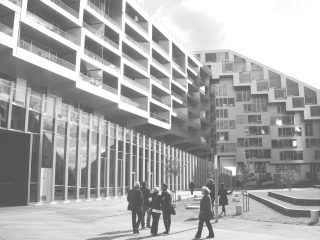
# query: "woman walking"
[[223, 199], [155, 205], [205, 213]]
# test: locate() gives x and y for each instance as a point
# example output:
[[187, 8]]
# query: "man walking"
[[146, 204], [166, 207], [210, 185], [191, 187], [135, 200]]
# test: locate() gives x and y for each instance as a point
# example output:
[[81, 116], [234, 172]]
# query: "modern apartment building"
[[263, 117], [95, 95]]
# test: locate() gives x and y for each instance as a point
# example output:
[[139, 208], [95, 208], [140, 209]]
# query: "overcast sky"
[[282, 34]]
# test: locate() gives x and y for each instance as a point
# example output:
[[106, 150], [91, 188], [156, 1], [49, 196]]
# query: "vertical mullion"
[[66, 177], [99, 157], [108, 160], [10, 105], [55, 127], [26, 123], [124, 163]]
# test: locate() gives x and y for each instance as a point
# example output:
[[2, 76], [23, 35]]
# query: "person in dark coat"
[[223, 199], [191, 187], [155, 208], [205, 213], [166, 207], [135, 200], [146, 204], [212, 189]]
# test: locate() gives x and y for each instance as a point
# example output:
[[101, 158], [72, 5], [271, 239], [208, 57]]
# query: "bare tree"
[[174, 168], [211, 169], [289, 177], [243, 170]]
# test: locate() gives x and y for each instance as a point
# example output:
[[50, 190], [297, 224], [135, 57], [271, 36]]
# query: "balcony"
[[160, 118], [179, 82], [17, 2], [135, 83], [100, 35], [66, 8], [139, 45], [103, 14], [161, 66], [178, 127], [194, 97], [194, 82], [178, 66], [180, 114], [6, 30], [134, 62], [161, 50], [52, 27], [162, 100], [193, 123], [133, 103], [179, 97], [101, 60], [166, 85], [98, 83], [128, 17], [47, 55]]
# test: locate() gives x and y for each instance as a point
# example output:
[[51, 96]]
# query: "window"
[[292, 88], [210, 57], [282, 120], [245, 77], [313, 143], [254, 119], [281, 108], [239, 64], [225, 124], [310, 96], [224, 102], [291, 155], [243, 95], [221, 113], [260, 167], [308, 128], [222, 136], [315, 111], [274, 80], [317, 154], [226, 147], [221, 91], [280, 93], [257, 153], [298, 102], [257, 130], [283, 167], [263, 85], [289, 132], [249, 142], [227, 67], [284, 143]]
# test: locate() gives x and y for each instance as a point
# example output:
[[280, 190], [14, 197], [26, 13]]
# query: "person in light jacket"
[[155, 207], [205, 213]]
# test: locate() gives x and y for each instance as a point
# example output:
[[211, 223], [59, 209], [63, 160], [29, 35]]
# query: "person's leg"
[[139, 213], [156, 224], [133, 218], [209, 226], [224, 209], [200, 226], [153, 227], [165, 220], [142, 216], [148, 217], [169, 222]]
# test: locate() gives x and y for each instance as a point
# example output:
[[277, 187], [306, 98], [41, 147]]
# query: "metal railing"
[[166, 85], [101, 60], [47, 55], [161, 66], [138, 44], [178, 96], [193, 96], [5, 29], [179, 82], [135, 23], [161, 118], [180, 114], [52, 27], [66, 8], [162, 100], [133, 103], [100, 35], [178, 66], [139, 85], [135, 62], [98, 83], [102, 13]]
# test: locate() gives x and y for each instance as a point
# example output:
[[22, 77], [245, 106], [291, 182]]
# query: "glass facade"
[[77, 155]]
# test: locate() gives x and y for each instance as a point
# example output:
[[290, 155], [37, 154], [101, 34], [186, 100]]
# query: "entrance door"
[[14, 168]]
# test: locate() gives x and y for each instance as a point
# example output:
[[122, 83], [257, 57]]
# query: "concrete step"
[[193, 207], [197, 199]]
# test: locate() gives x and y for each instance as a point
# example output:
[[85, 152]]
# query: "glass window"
[[310, 96], [245, 77], [4, 107], [292, 88], [18, 117], [72, 170], [34, 122], [60, 160], [315, 111], [48, 123], [298, 102], [210, 57], [47, 150], [274, 80]]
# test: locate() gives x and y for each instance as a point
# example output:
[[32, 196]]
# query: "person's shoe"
[[165, 232], [148, 226], [210, 236], [196, 237]]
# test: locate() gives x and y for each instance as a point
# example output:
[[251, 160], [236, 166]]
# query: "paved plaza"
[[109, 219]]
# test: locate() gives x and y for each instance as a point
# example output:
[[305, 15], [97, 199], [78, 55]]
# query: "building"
[[263, 117], [102, 94]]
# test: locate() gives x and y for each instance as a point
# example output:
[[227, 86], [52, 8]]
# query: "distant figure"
[[191, 187], [238, 184], [155, 208], [223, 199], [205, 213], [146, 204], [166, 207], [212, 189], [135, 200]]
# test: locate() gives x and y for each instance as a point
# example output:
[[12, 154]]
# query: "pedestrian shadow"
[[115, 232], [191, 219]]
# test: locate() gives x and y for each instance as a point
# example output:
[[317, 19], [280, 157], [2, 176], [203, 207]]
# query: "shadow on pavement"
[[191, 219], [116, 232]]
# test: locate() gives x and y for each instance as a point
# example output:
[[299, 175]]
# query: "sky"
[[281, 34]]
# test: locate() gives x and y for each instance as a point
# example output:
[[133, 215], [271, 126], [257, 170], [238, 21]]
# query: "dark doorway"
[[14, 167]]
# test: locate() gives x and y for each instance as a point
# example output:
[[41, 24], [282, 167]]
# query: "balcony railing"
[[178, 66], [135, 62], [5, 29], [101, 60], [135, 23], [139, 85], [4, 90], [158, 117], [193, 96], [178, 96], [98, 83], [180, 114], [162, 100], [103, 14], [52, 27], [100, 35], [166, 85], [194, 82], [161, 66], [133, 103], [47, 55], [164, 52], [179, 82], [139, 45], [66, 8]]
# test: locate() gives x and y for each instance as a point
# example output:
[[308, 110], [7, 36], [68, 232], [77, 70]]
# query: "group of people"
[[146, 204]]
